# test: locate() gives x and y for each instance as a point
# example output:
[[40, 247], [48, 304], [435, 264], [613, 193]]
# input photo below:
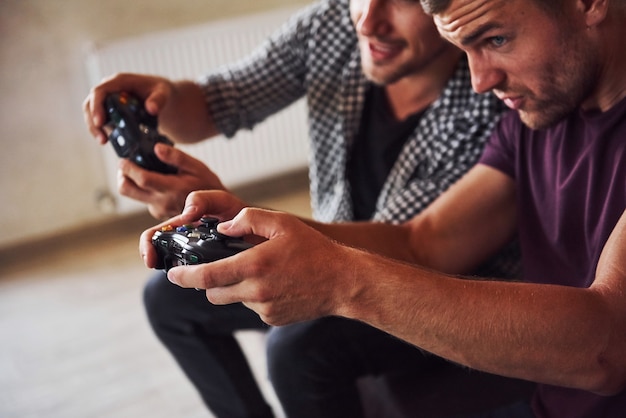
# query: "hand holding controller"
[[133, 132], [185, 245]]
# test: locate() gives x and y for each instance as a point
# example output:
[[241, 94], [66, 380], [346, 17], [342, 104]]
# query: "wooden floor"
[[75, 341]]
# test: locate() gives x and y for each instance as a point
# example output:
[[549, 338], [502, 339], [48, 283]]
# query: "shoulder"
[[322, 27], [330, 14]]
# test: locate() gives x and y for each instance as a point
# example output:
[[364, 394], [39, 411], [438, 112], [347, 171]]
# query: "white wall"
[[51, 170]]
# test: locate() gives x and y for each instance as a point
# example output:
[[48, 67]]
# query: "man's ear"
[[595, 11]]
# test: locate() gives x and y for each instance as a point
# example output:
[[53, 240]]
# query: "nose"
[[370, 16], [485, 76]]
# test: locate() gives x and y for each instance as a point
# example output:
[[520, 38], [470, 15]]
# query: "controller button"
[[195, 235], [194, 259], [167, 228], [121, 141], [182, 229], [116, 118]]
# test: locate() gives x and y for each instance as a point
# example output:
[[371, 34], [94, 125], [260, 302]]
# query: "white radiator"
[[278, 145]]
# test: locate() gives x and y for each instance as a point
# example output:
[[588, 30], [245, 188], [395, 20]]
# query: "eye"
[[497, 41]]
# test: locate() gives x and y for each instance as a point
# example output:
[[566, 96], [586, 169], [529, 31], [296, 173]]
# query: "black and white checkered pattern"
[[315, 55]]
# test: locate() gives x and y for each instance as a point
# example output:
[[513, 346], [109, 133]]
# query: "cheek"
[[435, 43], [355, 22], [526, 69], [356, 11], [540, 74], [424, 34]]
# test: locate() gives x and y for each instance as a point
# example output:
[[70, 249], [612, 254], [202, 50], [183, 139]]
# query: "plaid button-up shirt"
[[315, 55]]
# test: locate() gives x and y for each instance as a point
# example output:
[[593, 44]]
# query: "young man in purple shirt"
[[552, 172]]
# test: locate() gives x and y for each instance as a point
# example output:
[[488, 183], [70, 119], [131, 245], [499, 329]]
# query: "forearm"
[[186, 118], [385, 239], [446, 236], [420, 241], [522, 330]]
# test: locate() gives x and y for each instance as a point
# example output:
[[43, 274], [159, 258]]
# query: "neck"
[[417, 91], [611, 88]]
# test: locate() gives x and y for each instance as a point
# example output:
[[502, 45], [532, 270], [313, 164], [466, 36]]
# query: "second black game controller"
[[189, 244], [133, 132]]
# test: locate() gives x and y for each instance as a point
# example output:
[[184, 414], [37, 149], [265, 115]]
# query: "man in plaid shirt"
[[393, 123]]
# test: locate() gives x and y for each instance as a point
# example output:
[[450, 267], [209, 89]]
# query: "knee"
[[281, 346], [294, 349], [157, 300], [283, 352]]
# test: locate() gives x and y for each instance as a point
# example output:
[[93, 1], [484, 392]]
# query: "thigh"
[[352, 346], [167, 303]]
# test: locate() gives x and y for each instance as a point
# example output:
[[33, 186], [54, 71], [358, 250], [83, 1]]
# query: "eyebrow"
[[479, 32]]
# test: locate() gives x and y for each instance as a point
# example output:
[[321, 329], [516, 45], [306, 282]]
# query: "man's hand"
[[165, 194], [297, 274], [155, 91], [215, 203]]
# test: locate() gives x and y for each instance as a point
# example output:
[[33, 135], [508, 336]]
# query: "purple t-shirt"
[[571, 191]]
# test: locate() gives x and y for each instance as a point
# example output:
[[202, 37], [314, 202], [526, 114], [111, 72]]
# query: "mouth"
[[512, 102], [384, 51]]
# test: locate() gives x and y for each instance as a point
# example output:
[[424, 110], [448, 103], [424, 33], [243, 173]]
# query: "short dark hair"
[[432, 7]]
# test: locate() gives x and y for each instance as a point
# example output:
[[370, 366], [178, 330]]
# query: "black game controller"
[[133, 132], [185, 245]]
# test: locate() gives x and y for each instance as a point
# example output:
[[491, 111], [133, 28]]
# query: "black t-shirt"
[[375, 150]]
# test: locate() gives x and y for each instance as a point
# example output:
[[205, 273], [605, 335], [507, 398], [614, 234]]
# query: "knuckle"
[[125, 190], [259, 268], [194, 196], [261, 294], [246, 212], [142, 180]]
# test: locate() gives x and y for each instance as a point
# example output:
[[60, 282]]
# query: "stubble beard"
[[386, 74], [567, 83]]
